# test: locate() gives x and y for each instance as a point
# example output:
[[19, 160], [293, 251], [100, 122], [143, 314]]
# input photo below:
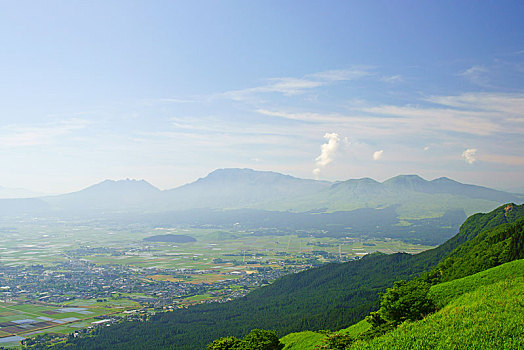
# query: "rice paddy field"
[[19, 320], [46, 243]]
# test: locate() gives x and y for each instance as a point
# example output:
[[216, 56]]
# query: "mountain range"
[[246, 188], [405, 206]]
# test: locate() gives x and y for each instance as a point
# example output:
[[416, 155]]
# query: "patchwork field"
[[21, 320], [48, 243]]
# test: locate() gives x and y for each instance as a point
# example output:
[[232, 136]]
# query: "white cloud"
[[304, 116], [469, 155], [477, 114], [426, 148], [341, 74], [393, 79], [378, 155], [505, 159], [475, 74], [286, 86], [327, 152], [17, 135], [474, 113], [498, 104], [290, 86]]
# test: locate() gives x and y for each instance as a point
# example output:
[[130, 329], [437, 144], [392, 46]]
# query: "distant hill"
[[109, 195], [415, 197], [239, 188], [227, 189], [519, 190], [169, 238]]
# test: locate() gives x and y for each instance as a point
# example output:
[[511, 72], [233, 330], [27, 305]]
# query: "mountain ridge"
[[234, 188]]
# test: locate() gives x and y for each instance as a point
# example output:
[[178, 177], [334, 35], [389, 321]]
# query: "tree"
[[259, 339], [337, 341], [225, 343], [406, 301]]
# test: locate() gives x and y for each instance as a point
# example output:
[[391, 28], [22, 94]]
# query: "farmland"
[[46, 243]]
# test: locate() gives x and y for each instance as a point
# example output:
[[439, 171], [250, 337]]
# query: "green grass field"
[[302, 340], [443, 293], [482, 311], [489, 317]]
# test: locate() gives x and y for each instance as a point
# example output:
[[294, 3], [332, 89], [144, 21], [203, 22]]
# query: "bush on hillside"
[[337, 341], [405, 301], [257, 339]]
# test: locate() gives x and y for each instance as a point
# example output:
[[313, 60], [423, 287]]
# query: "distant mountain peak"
[[406, 182], [122, 185], [444, 179], [242, 171], [408, 177], [127, 180], [245, 174]]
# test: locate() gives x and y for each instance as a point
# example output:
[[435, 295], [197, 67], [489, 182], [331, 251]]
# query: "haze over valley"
[[261, 175]]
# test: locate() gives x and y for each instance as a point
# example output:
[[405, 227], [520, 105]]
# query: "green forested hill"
[[492, 247], [330, 297]]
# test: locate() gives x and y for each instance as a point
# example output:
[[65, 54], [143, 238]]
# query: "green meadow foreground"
[[482, 311]]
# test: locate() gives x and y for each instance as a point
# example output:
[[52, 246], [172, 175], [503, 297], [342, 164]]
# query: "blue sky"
[[168, 91]]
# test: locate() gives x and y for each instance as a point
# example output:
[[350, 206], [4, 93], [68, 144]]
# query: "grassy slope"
[[356, 329], [302, 340], [470, 300], [489, 317], [308, 340], [444, 293]]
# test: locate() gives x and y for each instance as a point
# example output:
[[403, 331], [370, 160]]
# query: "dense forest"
[[329, 297]]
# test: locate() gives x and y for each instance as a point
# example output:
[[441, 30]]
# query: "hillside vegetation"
[[481, 311], [443, 293], [333, 296], [488, 317]]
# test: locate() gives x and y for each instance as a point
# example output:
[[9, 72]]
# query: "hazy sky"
[[168, 91]]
